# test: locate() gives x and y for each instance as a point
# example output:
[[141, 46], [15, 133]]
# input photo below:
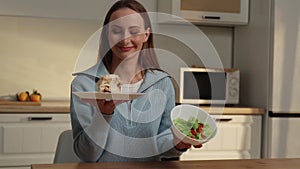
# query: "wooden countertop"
[[209, 164], [64, 107], [45, 107], [234, 110]]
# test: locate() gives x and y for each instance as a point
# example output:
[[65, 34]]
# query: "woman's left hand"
[[180, 145]]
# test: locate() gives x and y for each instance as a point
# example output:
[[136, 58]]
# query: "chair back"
[[64, 151]]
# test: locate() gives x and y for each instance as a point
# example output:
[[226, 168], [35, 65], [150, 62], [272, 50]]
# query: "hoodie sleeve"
[[165, 139], [90, 127]]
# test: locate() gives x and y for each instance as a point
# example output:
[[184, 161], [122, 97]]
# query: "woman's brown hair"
[[147, 56]]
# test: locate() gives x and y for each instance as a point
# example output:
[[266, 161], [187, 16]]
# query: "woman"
[[136, 130]]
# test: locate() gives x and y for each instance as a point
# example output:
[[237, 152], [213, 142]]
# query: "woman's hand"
[[183, 146], [106, 107], [180, 145]]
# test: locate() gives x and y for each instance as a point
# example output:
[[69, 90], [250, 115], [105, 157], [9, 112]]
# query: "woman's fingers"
[[198, 146], [182, 145], [117, 102], [105, 106], [90, 101]]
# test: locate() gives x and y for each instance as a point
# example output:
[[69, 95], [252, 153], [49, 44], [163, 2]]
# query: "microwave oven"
[[213, 12], [209, 86]]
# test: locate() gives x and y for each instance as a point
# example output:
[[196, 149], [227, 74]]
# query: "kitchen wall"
[[40, 53], [39, 48]]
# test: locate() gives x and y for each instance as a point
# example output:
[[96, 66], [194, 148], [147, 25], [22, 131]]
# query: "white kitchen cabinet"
[[30, 138], [212, 12], [238, 137]]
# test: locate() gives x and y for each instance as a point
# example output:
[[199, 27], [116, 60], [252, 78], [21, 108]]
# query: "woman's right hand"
[[106, 107]]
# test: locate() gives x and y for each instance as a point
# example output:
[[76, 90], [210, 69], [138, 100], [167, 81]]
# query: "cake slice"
[[109, 83]]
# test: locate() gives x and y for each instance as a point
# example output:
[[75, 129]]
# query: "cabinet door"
[[213, 12], [30, 138], [238, 137]]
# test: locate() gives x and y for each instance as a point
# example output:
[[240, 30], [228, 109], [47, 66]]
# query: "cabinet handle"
[[211, 17], [223, 120], [39, 118]]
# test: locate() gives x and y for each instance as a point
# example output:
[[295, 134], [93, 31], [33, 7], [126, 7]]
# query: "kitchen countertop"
[[64, 107], [209, 164], [55, 106], [234, 110]]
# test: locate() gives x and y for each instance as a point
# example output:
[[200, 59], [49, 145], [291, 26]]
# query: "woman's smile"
[[125, 48]]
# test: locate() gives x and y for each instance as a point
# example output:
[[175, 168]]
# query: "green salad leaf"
[[193, 128]]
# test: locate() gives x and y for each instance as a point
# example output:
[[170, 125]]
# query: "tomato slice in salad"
[[193, 128]]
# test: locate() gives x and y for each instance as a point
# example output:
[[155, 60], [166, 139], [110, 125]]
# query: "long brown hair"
[[147, 58]]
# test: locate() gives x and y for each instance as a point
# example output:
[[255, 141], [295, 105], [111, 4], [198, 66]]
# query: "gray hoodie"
[[138, 130]]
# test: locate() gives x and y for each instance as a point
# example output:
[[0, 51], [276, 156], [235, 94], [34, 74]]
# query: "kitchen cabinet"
[[207, 12], [30, 138], [238, 137]]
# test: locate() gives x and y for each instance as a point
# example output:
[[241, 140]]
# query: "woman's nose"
[[126, 37]]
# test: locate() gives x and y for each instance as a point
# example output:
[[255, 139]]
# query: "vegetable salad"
[[193, 128]]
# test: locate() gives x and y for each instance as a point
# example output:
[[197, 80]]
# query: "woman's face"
[[126, 33]]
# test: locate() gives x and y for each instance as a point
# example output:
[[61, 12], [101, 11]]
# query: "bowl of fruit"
[[192, 125]]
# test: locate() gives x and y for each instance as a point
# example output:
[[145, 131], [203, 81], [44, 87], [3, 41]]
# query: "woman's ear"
[[147, 34]]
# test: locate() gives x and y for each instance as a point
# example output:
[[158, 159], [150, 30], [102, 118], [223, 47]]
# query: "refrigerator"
[[284, 81]]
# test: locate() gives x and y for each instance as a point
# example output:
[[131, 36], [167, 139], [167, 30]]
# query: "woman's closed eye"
[[117, 31], [134, 31]]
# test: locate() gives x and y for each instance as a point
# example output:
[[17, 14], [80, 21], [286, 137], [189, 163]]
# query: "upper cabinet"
[[211, 12]]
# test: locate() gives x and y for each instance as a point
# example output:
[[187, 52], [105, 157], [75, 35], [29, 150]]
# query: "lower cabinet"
[[30, 138], [27, 139], [238, 137]]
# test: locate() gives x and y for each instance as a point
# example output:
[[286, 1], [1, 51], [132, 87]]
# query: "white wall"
[[39, 46], [40, 53]]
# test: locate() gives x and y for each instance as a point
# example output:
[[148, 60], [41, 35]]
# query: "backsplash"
[[41, 53]]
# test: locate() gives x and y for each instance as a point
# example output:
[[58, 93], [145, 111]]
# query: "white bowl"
[[187, 111]]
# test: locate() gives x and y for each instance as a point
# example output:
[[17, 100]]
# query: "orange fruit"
[[23, 96], [35, 96]]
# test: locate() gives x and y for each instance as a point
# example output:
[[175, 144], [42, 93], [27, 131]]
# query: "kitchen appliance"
[[284, 88], [209, 86]]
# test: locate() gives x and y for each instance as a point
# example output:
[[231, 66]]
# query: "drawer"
[[30, 138], [27, 118]]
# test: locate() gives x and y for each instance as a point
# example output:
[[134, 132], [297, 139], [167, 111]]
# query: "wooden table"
[[209, 164]]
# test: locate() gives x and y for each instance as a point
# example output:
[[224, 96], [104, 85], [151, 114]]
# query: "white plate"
[[110, 96]]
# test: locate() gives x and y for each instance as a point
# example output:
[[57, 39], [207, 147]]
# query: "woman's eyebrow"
[[134, 27], [118, 26]]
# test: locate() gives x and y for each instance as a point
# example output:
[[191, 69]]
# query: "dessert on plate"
[[109, 83]]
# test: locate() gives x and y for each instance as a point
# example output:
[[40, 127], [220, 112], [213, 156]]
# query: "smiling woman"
[[135, 130]]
